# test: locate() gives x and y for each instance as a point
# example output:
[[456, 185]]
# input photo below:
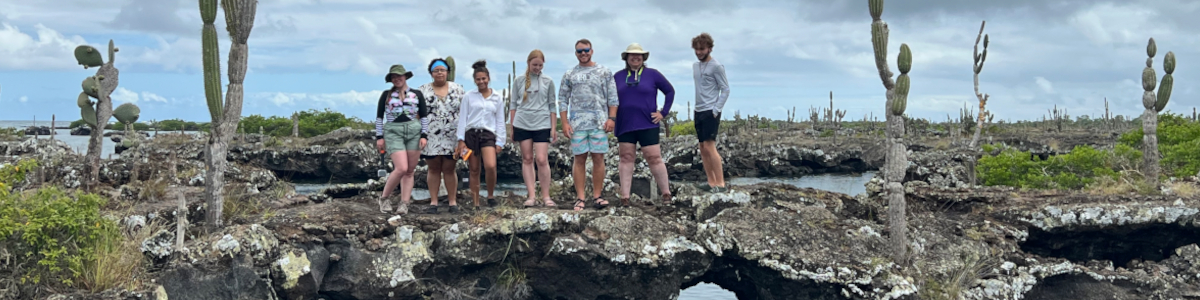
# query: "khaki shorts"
[[402, 136]]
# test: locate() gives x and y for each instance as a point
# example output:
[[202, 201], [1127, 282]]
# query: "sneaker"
[[402, 209], [704, 187], [720, 189], [432, 210], [453, 209]]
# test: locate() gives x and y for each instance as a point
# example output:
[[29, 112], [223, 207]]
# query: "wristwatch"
[[614, 119]]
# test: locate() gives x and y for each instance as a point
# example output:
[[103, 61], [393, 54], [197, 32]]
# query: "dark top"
[[638, 97], [400, 108]]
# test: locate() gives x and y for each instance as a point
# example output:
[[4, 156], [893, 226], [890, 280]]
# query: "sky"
[[778, 54]]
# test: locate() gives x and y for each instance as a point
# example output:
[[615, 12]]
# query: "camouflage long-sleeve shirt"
[[587, 93]]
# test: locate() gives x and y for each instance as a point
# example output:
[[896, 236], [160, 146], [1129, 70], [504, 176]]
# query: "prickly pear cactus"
[[450, 68], [88, 113], [127, 113], [88, 56], [91, 86], [84, 101]]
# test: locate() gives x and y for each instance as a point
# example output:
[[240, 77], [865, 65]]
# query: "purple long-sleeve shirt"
[[638, 101]]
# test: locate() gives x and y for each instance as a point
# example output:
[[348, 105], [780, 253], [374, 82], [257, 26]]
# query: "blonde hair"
[[532, 54]]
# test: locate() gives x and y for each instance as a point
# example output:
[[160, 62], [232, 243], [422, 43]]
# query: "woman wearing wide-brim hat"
[[638, 118], [400, 128]]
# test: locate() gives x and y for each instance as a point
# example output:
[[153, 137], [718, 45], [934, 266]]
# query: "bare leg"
[[527, 172], [579, 174], [717, 169], [489, 167], [653, 156], [598, 174], [393, 179], [434, 179], [708, 165], [543, 168], [406, 182], [474, 165], [625, 167], [450, 175]]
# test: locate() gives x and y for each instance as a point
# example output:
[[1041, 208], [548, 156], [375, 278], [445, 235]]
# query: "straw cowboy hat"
[[635, 48], [397, 70]]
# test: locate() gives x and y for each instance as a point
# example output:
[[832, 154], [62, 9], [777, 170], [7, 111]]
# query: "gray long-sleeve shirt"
[[712, 89], [535, 113]]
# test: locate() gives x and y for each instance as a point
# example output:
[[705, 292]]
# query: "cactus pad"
[[1164, 92], [876, 9], [1148, 79], [89, 115], [450, 68], [91, 87], [88, 56], [904, 61], [1151, 48], [1169, 63], [127, 113], [83, 100]]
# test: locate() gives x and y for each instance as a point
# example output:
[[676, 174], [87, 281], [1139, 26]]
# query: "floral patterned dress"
[[443, 119]]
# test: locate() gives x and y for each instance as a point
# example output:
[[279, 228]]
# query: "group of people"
[[441, 122]]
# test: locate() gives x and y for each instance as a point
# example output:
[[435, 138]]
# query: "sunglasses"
[[584, 50], [633, 80]]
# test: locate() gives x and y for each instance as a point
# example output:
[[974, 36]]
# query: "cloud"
[[123, 95], [148, 96], [1045, 85], [336, 100], [160, 16], [24, 99], [49, 50]]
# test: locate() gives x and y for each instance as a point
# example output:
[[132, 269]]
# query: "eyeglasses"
[[438, 71], [584, 50], [633, 82]]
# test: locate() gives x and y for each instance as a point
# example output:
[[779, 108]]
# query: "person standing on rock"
[[591, 97], [638, 119], [532, 125], [444, 99], [400, 129], [481, 129], [712, 90]]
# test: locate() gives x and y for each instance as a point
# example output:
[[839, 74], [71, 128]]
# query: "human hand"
[[553, 136], [656, 117], [459, 149], [567, 129], [379, 144], [422, 143], [609, 126]]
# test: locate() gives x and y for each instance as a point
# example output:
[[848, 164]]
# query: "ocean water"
[[77, 142]]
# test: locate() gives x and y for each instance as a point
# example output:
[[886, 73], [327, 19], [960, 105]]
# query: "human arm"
[[564, 94], [723, 85], [610, 97], [463, 106], [553, 103], [379, 119], [501, 132], [668, 91], [423, 113]]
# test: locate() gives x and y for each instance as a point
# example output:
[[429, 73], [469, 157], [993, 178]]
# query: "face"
[[399, 81], [536, 64], [702, 53], [439, 73], [635, 60], [580, 53], [482, 80]]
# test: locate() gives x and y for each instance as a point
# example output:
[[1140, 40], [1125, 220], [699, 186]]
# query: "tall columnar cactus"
[[1154, 104], [450, 68], [96, 114], [980, 58], [239, 20], [897, 156]]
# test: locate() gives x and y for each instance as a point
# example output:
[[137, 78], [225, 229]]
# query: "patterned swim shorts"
[[589, 141]]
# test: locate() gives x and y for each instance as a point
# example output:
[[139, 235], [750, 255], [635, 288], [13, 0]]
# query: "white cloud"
[[48, 50], [24, 99], [335, 100], [148, 96], [123, 95], [1046, 85]]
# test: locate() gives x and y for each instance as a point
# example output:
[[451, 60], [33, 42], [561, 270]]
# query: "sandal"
[[625, 202], [549, 203], [385, 205], [453, 208], [530, 203], [666, 199], [492, 202], [580, 204], [600, 203]]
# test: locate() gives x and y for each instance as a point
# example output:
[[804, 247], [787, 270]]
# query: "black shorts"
[[538, 136], [429, 157], [707, 125], [477, 139], [644, 137]]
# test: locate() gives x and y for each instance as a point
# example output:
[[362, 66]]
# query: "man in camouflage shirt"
[[590, 94]]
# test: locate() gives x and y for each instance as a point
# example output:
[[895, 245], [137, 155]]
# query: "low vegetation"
[[312, 123], [1178, 141]]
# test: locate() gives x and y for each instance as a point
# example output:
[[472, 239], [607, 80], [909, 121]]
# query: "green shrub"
[[52, 234], [1075, 170], [136, 126], [77, 123], [312, 123], [177, 124], [1178, 139], [683, 128]]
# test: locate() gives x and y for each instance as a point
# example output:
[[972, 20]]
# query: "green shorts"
[[402, 136]]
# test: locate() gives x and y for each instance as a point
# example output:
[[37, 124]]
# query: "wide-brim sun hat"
[[397, 70], [635, 48]]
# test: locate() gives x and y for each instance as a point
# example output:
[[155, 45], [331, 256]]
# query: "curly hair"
[[702, 41]]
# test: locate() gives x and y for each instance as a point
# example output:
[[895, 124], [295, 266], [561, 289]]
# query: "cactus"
[[450, 68], [980, 59], [896, 155], [88, 56], [1154, 104], [89, 116], [127, 113], [91, 86], [225, 113], [84, 101]]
